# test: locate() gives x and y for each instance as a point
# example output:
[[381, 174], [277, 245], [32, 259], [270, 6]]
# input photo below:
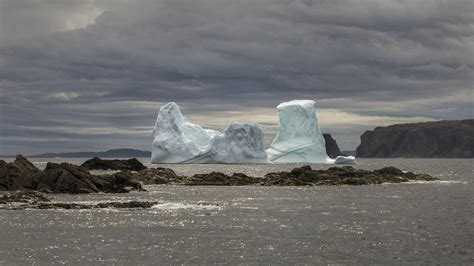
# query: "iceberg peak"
[[308, 104]]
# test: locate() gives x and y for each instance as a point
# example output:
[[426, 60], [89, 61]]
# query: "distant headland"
[[440, 139]]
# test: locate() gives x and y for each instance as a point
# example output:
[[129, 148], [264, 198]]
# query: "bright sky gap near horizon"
[[91, 75]]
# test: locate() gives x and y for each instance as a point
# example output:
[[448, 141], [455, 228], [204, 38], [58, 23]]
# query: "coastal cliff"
[[441, 139]]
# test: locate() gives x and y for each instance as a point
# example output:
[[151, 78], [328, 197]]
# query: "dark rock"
[[120, 182], [61, 178], [299, 176], [299, 170], [332, 149], [347, 175], [19, 175], [156, 176], [220, 179], [389, 171], [168, 176], [25, 166], [123, 165], [35, 200], [127, 204], [68, 178], [31, 197], [442, 139]]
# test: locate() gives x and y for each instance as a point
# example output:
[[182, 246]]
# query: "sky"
[[91, 75]]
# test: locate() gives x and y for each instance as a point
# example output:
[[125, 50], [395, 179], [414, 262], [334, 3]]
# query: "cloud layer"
[[91, 75]]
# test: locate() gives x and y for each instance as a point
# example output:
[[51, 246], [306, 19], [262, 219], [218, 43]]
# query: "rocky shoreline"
[[61, 178], [67, 178], [300, 176]]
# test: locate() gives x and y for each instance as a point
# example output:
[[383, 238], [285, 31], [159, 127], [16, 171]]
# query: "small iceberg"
[[345, 160]]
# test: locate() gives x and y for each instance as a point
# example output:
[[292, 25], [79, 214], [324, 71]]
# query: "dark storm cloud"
[[67, 65]]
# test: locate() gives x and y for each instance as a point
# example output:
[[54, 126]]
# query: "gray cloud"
[[103, 64]]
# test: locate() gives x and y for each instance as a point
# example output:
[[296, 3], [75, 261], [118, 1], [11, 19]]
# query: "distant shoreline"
[[114, 153]]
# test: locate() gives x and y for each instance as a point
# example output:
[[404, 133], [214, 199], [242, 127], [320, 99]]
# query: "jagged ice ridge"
[[176, 140]]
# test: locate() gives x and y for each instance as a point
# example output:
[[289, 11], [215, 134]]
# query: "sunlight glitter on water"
[[185, 206]]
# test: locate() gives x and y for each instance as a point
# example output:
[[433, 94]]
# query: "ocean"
[[408, 223]]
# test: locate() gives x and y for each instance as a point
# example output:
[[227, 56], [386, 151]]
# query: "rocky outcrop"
[[300, 176], [157, 176], [332, 149], [21, 174], [442, 139], [123, 165], [61, 178], [68, 178], [220, 179], [347, 175]]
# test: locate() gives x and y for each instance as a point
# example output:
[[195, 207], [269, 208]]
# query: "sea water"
[[409, 223]]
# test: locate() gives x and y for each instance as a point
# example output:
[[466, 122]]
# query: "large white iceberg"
[[299, 139], [176, 140]]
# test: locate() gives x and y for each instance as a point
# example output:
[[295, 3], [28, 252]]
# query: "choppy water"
[[415, 223]]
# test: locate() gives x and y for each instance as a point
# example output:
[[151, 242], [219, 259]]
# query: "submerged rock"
[[97, 163], [103, 205], [35, 200], [31, 197]]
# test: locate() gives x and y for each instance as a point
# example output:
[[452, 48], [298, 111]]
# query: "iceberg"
[[176, 140], [299, 139], [345, 160]]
